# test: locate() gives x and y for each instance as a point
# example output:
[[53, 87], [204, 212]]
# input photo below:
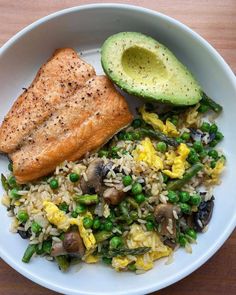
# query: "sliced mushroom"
[[94, 174], [167, 223], [202, 217], [73, 243], [112, 196], [58, 249]]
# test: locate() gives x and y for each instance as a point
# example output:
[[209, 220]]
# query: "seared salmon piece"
[[56, 80], [84, 122]]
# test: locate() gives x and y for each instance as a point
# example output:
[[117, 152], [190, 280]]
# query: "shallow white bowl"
[[85, 28]]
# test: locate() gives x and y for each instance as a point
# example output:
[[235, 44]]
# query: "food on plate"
[[83, 123], [66, 122], [61, 77], [139, 198], [142, 66], [119, 190]]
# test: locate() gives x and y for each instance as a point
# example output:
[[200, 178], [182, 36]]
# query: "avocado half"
[[141, 66]]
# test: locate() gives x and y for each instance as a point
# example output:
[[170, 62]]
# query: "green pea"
[[219, 136], [195, 199], [14, 194], [127, 180], [103, 153], [134, 215], [197, 145], [182, 240], [121, 135], [191, 233], [205, 127], [96, 223], [184, 197], [136, 188], [173, 197], [213, 164], [108, 225], [132, 267], [193, 157], [213, 143], [74, 214], [137, 123], [140, 198], [179, 140], [74, 177], [213, 128], [161, 146], [128, 136], [35, 227], [53, 183], [107, 260], [136, 136], [185, 208], [149, 225], [213, 154], [203, 108], [80, 208], [22, 216], [64, 207], [185, 136], [10, 166], [12, 181], [115, 242], [87, 222]]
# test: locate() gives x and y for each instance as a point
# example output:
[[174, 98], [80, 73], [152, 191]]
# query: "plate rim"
[[230, 227]]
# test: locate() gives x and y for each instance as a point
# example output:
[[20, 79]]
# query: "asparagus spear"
[[29, 252], [158, 135], [62, 262], [125, 212], [125, 251], [190, 173], [211, 103], [102, 236], [4, 183], [86, 199]]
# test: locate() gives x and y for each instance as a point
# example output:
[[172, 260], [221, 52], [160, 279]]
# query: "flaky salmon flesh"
[[83, 120]]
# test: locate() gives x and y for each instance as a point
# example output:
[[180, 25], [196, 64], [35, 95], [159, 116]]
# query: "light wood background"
[[215, 20]]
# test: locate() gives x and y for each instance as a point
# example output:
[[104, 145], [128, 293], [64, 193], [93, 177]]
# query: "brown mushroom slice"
[[112, 196], [73, 243], [94, 175], [165, 218]]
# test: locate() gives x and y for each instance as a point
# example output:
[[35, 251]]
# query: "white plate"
[[85, 28]]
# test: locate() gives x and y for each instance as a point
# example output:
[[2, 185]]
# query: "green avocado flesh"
[[140, 65]]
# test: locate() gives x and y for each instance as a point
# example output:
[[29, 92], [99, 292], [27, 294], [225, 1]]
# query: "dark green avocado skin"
[[181, 87]]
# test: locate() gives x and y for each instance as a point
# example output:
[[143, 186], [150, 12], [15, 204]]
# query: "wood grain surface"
[[215, 20]]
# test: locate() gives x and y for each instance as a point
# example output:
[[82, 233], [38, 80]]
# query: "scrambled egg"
[[91, 258], [153, 119], [179, 162], [63, 222], [214, 173], [146, 152], [139, 238]]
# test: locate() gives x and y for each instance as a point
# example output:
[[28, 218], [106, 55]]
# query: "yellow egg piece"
[[179, 162], [153, 119], [146, 152]]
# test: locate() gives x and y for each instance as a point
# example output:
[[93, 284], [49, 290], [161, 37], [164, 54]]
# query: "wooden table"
[[215, 20]]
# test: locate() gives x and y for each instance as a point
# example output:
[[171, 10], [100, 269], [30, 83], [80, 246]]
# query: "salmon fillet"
[[56, 80], [83, 123]]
